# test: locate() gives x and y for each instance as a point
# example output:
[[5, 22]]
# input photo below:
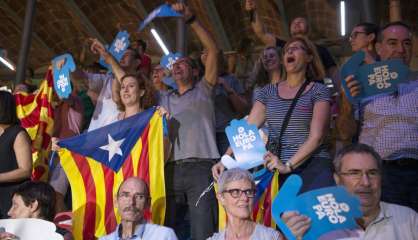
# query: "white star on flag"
[[113, 147]]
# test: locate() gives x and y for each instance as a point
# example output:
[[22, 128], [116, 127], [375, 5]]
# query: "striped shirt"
[[297, 130], [390, 123]]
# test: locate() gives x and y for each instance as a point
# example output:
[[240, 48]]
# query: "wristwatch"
[[289, 165]]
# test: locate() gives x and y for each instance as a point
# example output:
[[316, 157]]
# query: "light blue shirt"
[[144, 231]]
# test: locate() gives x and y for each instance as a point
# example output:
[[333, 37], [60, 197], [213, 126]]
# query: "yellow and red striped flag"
[[36, 116], [97, 162], [267, 188]]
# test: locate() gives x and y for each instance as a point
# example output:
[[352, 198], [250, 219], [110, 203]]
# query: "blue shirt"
[[142, 232]]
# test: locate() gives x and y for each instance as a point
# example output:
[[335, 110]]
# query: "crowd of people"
[[288, 100]]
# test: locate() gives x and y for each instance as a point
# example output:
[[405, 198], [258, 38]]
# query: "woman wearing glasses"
[[297, 111], [236, 194], [363, 37]]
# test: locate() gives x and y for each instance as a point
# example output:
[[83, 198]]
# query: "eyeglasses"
[[353, 35], [294, 48], [236, 193], [358, 174], [136, 196]]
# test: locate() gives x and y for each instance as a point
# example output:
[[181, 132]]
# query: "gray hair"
[[356, 148], [234, 174]]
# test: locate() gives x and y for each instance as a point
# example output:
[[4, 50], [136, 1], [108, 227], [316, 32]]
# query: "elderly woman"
[[236, 194]]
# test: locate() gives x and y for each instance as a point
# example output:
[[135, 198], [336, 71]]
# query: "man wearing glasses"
[[358, 168], [131, 201]]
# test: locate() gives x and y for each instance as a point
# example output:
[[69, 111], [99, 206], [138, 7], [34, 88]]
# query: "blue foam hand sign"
[[62, 77], [246, 143], [350, 68], [329, 209], [168, 60], [117, 48], [164, 10], [376, 78]]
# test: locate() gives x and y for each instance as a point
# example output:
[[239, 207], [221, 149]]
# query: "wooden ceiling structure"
[[61, 26]]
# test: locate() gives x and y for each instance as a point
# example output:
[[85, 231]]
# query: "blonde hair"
[[315, 70]]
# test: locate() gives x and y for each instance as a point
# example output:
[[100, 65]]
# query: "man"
[[358, 168], [131, 200], [191, 128], [298, 28], [390, 121]]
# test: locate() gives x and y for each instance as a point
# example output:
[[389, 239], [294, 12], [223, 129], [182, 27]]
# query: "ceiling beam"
[[283, 17], [217, 24], [91, 29], [19, 22]]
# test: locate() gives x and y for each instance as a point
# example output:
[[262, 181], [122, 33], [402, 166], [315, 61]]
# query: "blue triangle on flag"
[[111, 144]]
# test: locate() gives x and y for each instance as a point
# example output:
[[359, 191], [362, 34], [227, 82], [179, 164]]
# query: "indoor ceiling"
[[62, 26]]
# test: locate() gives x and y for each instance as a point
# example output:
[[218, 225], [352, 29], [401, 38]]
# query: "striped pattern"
[[94, 185], [262, 204], [297, 131], [36, 116]]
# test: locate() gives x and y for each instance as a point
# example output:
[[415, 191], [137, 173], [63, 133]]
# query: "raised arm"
[[211, 68], [267, 38], [98, 48]]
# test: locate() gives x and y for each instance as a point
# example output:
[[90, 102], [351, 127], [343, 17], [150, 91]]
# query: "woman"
[[236, 192], [363, 37], [15, 152], [266, 70], [298, 146], [131, 92]]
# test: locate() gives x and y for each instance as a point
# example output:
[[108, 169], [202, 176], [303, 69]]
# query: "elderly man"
[[131, 200], [390, 121], [191, 129], [358, 168]]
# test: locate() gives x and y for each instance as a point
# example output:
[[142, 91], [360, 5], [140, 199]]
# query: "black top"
[[323, 53], [8, 163]]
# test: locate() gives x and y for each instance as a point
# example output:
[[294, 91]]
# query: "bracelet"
[[191, 19], [288, 164]]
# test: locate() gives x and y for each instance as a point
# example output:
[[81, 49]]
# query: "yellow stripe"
[[117, 180], [136, 154], [261, 211], [98, 177], [78, 192], [274, 190], [156, 169], [221, 213]]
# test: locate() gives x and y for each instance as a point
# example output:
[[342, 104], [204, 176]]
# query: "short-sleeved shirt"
[[106, 110], [323, 53], [224, 111], [260, 233], [191, 127], [297, 131]]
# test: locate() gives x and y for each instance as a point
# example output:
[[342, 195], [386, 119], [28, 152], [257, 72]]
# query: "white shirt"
[[393, 222]]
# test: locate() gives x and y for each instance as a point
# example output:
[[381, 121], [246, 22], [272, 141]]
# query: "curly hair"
[[149, 97]]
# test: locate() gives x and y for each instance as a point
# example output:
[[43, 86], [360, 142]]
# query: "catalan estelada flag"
[[97, 162], [267, 187], [36, 116]]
